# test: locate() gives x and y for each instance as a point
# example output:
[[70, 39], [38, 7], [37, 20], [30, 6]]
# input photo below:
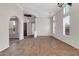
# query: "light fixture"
[[60, 4]]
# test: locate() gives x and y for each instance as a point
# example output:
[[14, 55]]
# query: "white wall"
[[75, 24], [42, 26], [73, 38], [6, 12]]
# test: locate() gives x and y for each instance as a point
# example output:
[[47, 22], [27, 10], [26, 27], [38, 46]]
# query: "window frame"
[[54, 24], [66, 15], [13, 26]]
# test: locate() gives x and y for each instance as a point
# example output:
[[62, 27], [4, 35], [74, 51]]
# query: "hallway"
[[40, 46]]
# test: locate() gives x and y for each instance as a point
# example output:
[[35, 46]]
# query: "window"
[[66, 25], [12, 26], [67, 9], [54, 24], [66, 20]]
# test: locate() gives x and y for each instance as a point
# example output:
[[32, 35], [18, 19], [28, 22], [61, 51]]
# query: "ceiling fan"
[[61, 4]]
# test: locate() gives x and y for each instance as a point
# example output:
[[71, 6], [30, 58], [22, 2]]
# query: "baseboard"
[[4, 49], [67, 42], [13, 38], [43, 35]]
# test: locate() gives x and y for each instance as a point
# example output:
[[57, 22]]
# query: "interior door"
[[25, 29]]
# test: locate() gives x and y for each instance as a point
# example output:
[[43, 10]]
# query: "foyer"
[[39, 29]]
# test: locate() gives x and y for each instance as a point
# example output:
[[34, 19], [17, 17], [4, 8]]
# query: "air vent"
[[69, 4], [27, 15]]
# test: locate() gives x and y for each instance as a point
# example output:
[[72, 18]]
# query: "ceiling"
[[39, 9]]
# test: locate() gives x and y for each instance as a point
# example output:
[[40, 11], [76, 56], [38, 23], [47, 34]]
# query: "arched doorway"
[[13, 29], [29, 26]]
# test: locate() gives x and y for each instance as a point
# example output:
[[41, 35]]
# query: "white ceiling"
[[39, 9]]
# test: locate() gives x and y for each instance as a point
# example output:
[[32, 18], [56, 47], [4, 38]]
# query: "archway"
[[13, 29], [29, 26]]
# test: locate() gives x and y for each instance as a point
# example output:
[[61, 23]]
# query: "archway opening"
[[29, 27], [13, 30]]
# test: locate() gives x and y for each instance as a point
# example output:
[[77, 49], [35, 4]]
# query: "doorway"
[[25, 29], [13, 30]]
